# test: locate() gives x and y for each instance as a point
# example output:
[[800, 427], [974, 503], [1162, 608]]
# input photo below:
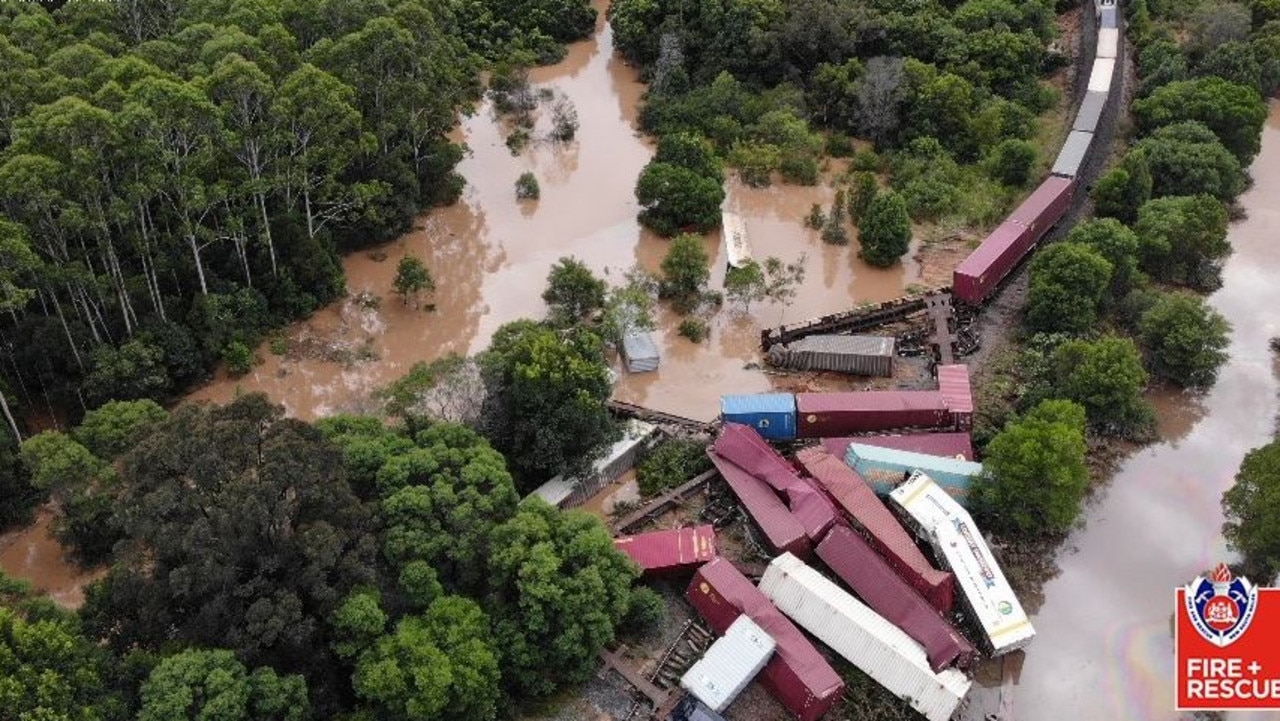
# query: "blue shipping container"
[[773, 415], [885, 468]]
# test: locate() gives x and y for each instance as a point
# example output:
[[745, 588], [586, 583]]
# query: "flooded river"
[[490, 255], [34, 555], [1105, 649]]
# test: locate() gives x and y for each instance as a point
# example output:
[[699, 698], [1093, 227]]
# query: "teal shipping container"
[[885, 468], [773, 415]]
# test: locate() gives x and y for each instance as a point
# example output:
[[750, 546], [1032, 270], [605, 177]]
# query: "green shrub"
[[527, 187], [238, 357], [671, 464], [695, 329]]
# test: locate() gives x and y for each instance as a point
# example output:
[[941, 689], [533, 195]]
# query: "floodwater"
[[490, 255], [34, 555], [1105, 649]]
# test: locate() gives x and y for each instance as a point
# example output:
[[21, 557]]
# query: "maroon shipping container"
[[887, 535], [978, 275], [797, 675], [827, 415], [869, 576], [678, 549], [950, 445], [782, 530], [746, 449], [812, 508], [953, 384]]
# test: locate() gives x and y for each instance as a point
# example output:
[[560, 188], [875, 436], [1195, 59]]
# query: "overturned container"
[[729, 665], [885, 468], [864, 355], [669, 551]]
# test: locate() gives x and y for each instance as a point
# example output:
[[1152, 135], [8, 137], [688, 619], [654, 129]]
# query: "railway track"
[[631, 410]]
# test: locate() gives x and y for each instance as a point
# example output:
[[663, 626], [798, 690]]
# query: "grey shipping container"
[[1073, 154], [866, 355], [1109, 21], [640, 352], [730, 664], [1090, 111]]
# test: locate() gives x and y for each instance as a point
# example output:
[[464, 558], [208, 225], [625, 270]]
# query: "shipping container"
[[953, 384], [640, 352], [959, 544], [1073, 153], [566, 492], [824, 415], [1100, 78], [782, 530], [797, 675], [813, 509], [772, 415], [1090, 112], [1108, 19], [878, 648], [691, 709], [1045, 206], [737, 248], [863, 570], [980, 273], [887, 536], [670, 551], [951, 445], [885, 468], [1108, 42], [743, 447], [866, 355], [731, 663]]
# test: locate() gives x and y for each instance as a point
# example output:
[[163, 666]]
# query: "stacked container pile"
[[880, 649], [797, 675], [951, 445], [729, 665], [675, 550], [887, 535], [885, 468], [958, 543], [782, 530], [743, 447]]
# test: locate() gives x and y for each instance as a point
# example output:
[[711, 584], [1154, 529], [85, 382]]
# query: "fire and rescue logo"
[[1221, 607]]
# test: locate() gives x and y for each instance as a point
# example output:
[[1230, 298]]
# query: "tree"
[[1116, 243], [1182, 238], [673, 198], [1235, 113], [1187, 159], [692, 152], [629, 308], [558, 591], [545, 409], [1185, 339], [58, 462], [1068, 281], [1122, 190], [440, 665], [1036, 474], [446, 389], [16, 261], [134, 370], [212, 684], [862, 192], [1011, 161], [671, 464], [573, 291], [885, 234], [357, 623], [1252, 509], [879, 97], [774, 281], [685, 269], [527, 187], [241, 532], [1106, 377], [412, 278], [113, 428]]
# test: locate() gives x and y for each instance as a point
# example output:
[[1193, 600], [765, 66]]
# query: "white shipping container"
[[961, 549], [730, 664], [1108, 42], [1100, 78], [877, 647]]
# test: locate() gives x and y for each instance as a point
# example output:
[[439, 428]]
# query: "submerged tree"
[[412, 278]]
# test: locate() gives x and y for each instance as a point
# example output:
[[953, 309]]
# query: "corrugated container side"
[[815, 511], [671, 550], [1108, 42], [824, 415], [1073, 153], [1108, 19], [880, 649], [885, 468], [729, 664], [857, 355], [950, 445], [772, 415], [1100, 78], [886, 533], [782, 530], [1090, 111], [797, 675], [953, 384], [741, 445], [869, 575], [1044, 207], [691, 709], [978, 275], [959, 544]]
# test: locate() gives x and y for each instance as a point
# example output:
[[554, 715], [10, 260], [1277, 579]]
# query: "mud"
[[34, 555]]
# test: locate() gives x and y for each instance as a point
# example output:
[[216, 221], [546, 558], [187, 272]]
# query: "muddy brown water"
[[1104, 648], [33, 554]]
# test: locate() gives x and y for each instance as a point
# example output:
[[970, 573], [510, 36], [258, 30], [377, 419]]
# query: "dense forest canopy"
[[178, 178]]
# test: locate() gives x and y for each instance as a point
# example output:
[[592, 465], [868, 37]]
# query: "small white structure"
[[863, 637], [737, 249], [986, 592], [730, 664], [637, 437], [640, 352]]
